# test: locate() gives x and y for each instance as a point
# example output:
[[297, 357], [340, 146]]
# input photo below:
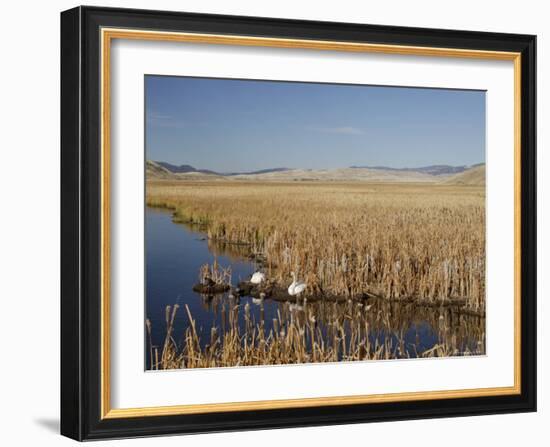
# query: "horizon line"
[[354, 166]]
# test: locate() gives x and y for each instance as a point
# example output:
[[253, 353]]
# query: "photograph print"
[[298, 222]]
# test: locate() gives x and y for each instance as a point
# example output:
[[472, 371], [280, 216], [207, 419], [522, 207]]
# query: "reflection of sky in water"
[[174, 255]]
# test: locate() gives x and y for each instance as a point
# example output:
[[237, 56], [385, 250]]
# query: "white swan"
[[296, 287], [257, 278]]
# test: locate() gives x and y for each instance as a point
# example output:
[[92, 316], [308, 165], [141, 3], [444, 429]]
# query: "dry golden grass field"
[[400, 241]]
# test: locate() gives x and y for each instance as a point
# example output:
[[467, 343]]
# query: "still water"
[[175, 254]]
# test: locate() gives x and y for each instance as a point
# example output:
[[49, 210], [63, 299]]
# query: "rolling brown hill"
[[155, 171], [472, 177]]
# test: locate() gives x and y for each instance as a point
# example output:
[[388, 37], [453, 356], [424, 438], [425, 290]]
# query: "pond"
[[174, 256]]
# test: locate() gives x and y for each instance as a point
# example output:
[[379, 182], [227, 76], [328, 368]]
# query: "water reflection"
[[413, 329]]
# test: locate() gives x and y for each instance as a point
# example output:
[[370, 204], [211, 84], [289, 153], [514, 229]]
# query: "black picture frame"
[[81, 223]]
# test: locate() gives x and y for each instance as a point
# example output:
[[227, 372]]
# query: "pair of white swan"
[[295, 288]]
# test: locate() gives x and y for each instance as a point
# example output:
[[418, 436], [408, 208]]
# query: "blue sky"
[[242, 125]]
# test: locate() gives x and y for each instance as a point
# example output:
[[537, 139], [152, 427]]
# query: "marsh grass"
[[215, 272], [423, 242]]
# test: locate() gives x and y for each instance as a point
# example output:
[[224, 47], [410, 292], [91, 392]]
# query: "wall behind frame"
[[29, 234]]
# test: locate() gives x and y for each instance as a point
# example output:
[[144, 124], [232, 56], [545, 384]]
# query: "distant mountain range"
[[468, 175], [432, 170], [184, 169]]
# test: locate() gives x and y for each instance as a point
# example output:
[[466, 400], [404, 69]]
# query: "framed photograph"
[[277, 223]]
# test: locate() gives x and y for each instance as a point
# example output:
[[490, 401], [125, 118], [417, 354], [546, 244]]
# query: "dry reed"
[[326, 333], [425, 242]]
